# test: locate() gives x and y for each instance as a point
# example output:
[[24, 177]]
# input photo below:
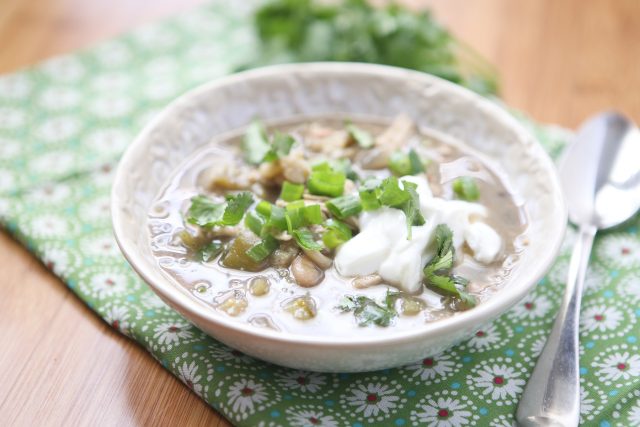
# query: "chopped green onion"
[[294, 219], [263, 249], [255, 222], [322, 167], [255, 144], [277, 219], [337, 233], [326, 182], [466, 188], [297, 204], [264, 208], [304, 238], [362, 137], [369, 195], [291, 192], [411, 207], [401, 164], [207, 213], [344, 165], [312, 214], [345, 206], [438, 272]]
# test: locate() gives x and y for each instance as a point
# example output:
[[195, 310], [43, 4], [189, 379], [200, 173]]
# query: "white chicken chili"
[[336, 227]]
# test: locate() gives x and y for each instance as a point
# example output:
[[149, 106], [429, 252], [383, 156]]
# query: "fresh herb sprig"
[[353, 30]]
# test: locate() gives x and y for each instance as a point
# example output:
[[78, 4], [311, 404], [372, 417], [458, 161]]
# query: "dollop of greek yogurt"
[[382, 246]]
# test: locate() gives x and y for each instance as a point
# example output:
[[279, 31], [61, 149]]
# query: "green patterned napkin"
[[63, 126]]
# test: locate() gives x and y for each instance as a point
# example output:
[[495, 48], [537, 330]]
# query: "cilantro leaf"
[[237, 205], [255, 144], [367, 311], [259, 148], [207, 213]]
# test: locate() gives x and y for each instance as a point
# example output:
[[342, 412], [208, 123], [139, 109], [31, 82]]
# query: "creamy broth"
[[215, 284]]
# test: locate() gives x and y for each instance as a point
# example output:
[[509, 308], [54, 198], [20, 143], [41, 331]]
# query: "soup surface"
[[337, 228]]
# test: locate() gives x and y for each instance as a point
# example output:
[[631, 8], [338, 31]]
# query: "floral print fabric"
[[63, 126]]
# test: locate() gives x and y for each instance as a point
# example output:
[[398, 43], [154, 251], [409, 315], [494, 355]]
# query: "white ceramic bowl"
[[281, 92]]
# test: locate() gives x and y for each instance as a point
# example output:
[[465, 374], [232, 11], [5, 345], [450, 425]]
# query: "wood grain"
[[560, 60]]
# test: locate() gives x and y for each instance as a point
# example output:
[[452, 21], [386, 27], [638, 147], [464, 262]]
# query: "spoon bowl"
[[600, 174]]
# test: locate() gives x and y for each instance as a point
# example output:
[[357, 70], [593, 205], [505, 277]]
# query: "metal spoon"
[[600, 176]]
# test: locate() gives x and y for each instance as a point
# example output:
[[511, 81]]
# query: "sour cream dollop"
[[382, 246]]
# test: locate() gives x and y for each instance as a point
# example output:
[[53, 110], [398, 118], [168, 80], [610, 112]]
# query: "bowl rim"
[[499, 303]]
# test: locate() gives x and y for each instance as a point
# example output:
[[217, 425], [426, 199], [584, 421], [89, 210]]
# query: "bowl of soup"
[[337, 217]]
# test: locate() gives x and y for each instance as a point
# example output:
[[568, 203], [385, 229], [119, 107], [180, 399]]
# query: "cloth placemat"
[[63, 126]]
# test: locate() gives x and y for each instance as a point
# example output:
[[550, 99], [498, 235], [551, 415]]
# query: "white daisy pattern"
[[600, 318], [245, 394], [485, 338], [372, 399], [16, 86], [108, 283], [619, 250], [58, 129], [59, 98], [634, 414], [171, 333], [64, 69], [109, 140], [305, 382], [7, 180], [433, 368], [118, 318], [497, 381], [310, 417], [443, 411], [58, 162], [619, 365], [50, 226], [11, 118], [532, 307], [188, 374]]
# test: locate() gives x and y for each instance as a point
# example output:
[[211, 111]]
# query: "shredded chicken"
[[322, 139], [295, 167], [396, 134], [228, 176]]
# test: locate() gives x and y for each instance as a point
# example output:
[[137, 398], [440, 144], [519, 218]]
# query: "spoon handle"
[[552, 394]]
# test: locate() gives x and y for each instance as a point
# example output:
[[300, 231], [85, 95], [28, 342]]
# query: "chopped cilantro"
[[367, 311], [207, 213]]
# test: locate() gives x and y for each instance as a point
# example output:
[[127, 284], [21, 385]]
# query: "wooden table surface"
[[560, 60]]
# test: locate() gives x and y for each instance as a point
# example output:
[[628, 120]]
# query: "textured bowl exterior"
[[305, 90]]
